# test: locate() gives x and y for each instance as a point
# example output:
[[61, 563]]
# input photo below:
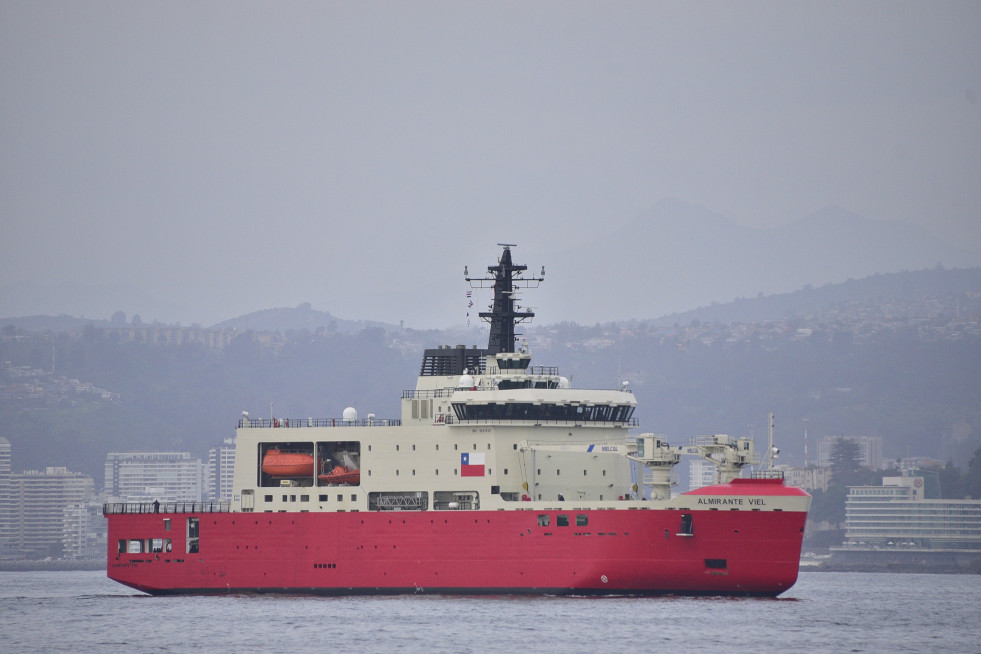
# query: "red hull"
[[618, 551]]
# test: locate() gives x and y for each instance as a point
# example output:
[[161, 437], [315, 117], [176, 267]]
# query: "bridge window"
[[542, 412]]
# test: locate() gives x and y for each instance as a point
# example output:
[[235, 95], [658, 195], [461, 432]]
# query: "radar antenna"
[[505, 313]]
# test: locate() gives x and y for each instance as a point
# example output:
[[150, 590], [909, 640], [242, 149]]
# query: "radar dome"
[[564, 383], [350, 414], [466, 381]]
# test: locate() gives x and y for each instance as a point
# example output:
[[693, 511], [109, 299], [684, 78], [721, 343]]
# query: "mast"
[[505, 313]]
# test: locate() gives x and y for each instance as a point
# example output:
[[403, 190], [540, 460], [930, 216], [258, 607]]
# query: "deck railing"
[[259, 423], [111, 508]]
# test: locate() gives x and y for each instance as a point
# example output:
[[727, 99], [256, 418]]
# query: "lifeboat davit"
[[341, 475], [287, 464]]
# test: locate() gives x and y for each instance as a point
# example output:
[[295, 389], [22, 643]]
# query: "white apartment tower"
[[39, 500], [149, 476], [220, 471], [702, 473], [6, 500]]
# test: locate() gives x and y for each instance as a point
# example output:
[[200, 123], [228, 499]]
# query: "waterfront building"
[[809, 479], [149, 476], [6, 501], [84, 533], [220, 470], [899, 522], [36, 520], [701, 474]]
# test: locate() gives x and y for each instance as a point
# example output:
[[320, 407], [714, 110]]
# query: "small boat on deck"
[[277, 463], [341, 475]]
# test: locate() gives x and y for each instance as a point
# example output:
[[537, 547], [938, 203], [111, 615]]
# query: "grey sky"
[[226, 157]]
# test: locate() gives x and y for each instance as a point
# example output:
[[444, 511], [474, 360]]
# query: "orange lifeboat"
[[341, 475], [276, 463]]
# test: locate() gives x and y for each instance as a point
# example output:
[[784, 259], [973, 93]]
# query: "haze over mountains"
[[675, 258], [679, 257]]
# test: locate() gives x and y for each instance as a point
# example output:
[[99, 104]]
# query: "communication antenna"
[[505, 279], [771, 452]]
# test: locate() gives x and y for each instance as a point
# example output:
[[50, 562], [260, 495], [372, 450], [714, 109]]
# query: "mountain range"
[[679, 256], [672, 259]]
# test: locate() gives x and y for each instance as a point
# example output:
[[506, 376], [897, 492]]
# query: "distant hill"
[[62, 323], [935, 282], [297, 318], [679, 256], [806, 301]]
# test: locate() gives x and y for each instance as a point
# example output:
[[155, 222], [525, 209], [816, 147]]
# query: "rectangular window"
[[715, 564], [354, 498], [269, 498], [192, 535], [582, 520], [340, 498], [323, 498], [304, 498], [543, 521], [562, 520], [166, 524]]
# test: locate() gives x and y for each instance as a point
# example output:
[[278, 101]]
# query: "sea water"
[[824, 612]]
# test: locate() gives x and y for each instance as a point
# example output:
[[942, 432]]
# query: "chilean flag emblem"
[[472, 464]]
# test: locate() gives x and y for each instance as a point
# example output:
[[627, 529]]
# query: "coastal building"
[[84, 531], [220, 471], [905, 521], [810, 479], [701, 474], [36, 520], [869, 448], [6, 506], [149, 476]]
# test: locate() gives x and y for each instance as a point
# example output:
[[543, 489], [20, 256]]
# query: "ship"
[[498, 477]]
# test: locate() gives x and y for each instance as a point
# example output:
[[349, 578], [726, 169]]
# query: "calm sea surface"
[[824, 612]]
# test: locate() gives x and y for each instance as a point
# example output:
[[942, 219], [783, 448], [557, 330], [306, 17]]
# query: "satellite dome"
[[564, 382], [466, 381], [350, 414]]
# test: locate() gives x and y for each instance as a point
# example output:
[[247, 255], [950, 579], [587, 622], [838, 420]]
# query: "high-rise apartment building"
[[36, 523], [220, 471], [6, 501], [149, 476], [702, 473]]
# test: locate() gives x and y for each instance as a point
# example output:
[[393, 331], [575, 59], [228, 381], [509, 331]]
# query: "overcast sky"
[[225, 157]]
